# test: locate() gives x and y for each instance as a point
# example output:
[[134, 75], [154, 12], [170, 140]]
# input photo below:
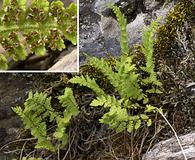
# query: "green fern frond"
[[122, 24], [71, 110], [124, 79], [103, 66], [39, 104], [150, 108], [87, 82], [147, 47], [147, 50], [106, 101], [37, 110], [124, 65], [71, 30], [117, 116], [41, 4], [34, 27], [37, 126], [128, 79], [69, 103]]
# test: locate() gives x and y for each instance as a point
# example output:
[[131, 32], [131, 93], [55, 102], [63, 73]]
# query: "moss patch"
[[166, 34]]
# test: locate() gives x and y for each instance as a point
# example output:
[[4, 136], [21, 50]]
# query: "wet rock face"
[[99, 31], [13, 91]]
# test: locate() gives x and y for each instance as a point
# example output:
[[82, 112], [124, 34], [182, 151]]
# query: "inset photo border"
[[39, 36]]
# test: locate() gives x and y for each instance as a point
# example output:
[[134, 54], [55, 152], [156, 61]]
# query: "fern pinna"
[[31, 28], [38, 110], [132, 90]]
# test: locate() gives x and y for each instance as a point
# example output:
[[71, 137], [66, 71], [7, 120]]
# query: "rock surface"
[[68, 63], [170, 150], [99, 32], [13, 90]]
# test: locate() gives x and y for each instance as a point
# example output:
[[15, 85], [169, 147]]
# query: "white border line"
[[45, 71], [78, 57]]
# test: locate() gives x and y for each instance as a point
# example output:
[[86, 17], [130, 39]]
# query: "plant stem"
[[22, 27], [159, 111]]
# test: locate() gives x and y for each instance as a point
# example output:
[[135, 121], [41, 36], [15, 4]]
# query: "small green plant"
[[129, 105], [38, 112], [31, 28]]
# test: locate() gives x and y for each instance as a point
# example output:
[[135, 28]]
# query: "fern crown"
[[132, 90]]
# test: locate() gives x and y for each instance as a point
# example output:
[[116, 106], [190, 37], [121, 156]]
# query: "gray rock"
[[67, 63], [102, 5], [151, 4], [170, 150], [127, 6], [135, 28], [99, 31], [13, 91]]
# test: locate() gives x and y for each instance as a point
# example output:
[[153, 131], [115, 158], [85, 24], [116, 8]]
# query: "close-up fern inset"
[[32, 28]]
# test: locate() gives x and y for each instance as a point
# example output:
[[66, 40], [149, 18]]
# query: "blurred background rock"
[[99, 31]]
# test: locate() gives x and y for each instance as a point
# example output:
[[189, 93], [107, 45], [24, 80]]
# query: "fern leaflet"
[[87, 82], [70, 110]]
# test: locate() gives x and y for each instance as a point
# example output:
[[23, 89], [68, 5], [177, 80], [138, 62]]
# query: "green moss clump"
[[166, 33]]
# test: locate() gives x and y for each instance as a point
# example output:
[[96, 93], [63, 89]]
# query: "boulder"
[[99, 31], [170, 150]]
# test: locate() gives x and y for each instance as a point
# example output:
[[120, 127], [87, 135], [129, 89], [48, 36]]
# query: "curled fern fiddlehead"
[[31, 28]]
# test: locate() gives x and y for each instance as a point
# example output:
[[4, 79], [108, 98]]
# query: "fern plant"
[[132, 89], [31, 29], [38, 110]]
